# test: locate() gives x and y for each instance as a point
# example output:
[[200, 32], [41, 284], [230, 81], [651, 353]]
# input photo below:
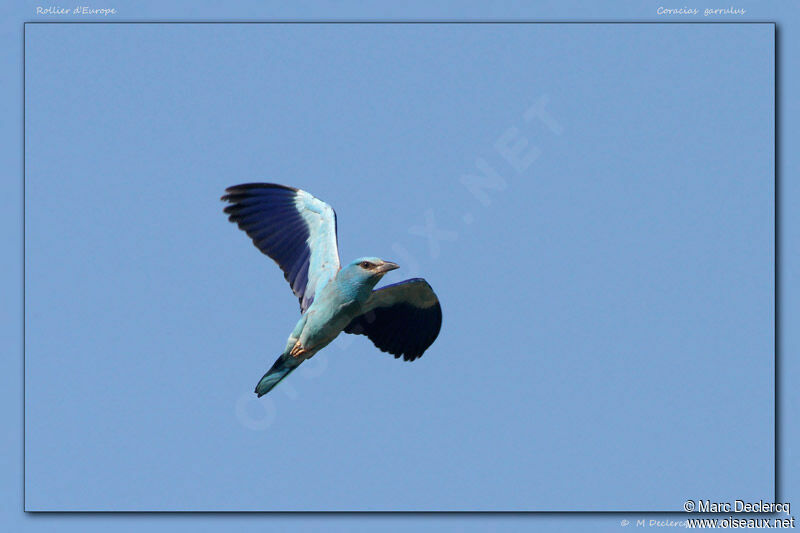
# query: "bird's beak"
[[387, 266]]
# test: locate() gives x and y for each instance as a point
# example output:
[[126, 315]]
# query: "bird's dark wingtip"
[[248, 186]]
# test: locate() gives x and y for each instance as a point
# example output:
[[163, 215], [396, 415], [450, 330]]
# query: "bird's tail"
[[282, 368]]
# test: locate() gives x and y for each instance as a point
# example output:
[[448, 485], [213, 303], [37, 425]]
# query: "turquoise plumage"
[[298, 231]]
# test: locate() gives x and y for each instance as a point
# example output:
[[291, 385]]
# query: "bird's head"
[[368, 270]]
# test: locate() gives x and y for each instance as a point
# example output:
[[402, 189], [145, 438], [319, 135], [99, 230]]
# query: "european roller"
[[298, 232]]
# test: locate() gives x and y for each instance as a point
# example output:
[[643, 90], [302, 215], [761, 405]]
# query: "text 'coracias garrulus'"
[[298, 232]]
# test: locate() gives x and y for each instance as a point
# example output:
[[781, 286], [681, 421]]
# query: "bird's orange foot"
[[298, 350]]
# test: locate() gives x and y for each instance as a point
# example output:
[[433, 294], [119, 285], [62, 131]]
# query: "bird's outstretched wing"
[[293, 228], [402, 319]]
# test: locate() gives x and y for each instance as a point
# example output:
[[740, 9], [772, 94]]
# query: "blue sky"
[[607, 289], [220, 158]]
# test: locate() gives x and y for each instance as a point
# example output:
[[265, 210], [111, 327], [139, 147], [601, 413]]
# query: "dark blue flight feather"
[[403, 319], [293, 228]]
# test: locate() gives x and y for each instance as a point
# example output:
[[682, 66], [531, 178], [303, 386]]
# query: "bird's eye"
[[366, 264]]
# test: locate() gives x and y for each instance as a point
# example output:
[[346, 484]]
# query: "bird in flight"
[[298, 232]]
